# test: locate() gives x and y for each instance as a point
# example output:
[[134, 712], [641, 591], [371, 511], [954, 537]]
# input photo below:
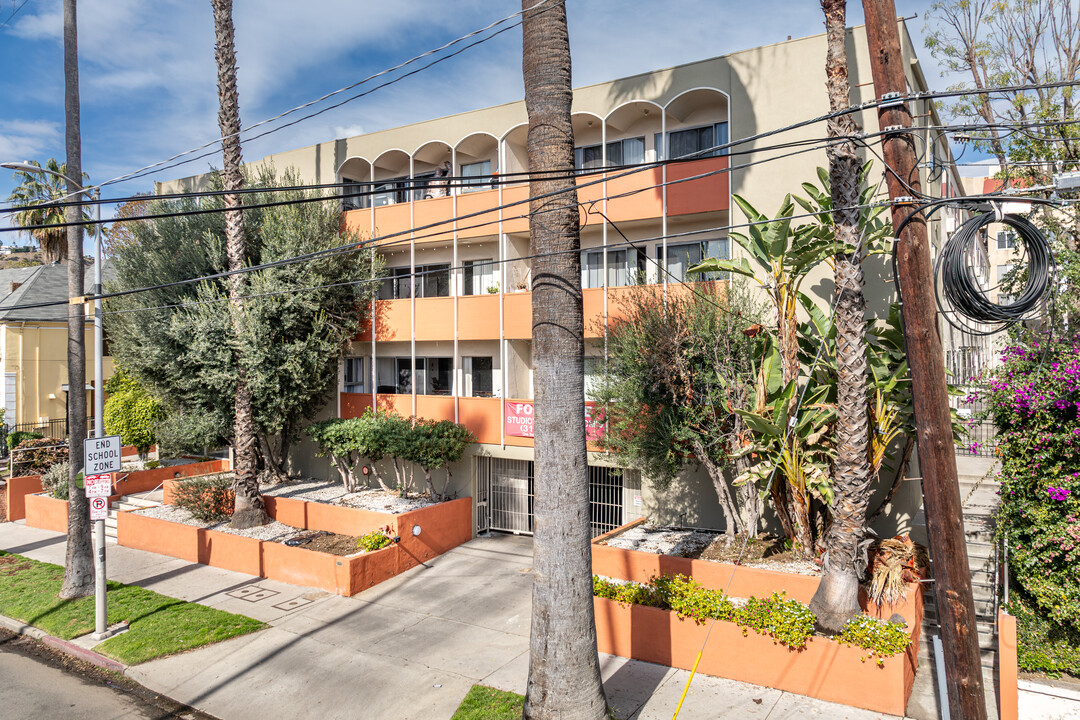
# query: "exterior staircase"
[[978, 495], [129, 502]]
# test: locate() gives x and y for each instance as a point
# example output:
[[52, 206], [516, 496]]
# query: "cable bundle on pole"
[[961, 294]]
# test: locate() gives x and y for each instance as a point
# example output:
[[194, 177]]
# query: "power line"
[[14, 13]]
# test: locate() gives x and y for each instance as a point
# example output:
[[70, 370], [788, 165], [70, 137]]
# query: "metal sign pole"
[[102, 458]]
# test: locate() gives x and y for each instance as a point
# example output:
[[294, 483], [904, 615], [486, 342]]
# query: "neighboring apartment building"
[[33, 348], [452, 330]]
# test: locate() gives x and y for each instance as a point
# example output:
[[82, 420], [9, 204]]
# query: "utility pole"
[[937, 455], [78, 564]]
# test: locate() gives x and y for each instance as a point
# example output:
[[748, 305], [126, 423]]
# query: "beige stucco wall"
[[37, 353]]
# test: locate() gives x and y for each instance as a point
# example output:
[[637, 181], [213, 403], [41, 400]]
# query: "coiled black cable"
[[967, 298]]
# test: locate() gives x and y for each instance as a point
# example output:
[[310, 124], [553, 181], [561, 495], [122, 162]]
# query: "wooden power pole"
[[937, 455]]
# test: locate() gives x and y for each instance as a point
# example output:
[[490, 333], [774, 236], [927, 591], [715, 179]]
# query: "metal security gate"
[[504, 496]]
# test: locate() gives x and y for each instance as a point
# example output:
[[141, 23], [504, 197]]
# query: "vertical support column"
[[412, 295], [374, 329], [456, 283], [663, 200]]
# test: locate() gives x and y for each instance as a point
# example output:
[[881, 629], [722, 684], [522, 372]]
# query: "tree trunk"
[[274, 461], [249, 511], [732, 520], [564, 669], [79, 559], [837, 597], [379, 477], [793, 503]]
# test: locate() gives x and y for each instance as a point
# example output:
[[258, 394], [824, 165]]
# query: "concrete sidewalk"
[[408, 648]]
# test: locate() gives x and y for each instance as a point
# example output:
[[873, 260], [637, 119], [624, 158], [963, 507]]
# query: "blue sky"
[[148, 79]]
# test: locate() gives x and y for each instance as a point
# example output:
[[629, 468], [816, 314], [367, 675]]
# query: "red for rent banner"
[[519, 420]]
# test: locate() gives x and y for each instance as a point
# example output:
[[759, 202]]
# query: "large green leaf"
[[759, 424], [740, 266]]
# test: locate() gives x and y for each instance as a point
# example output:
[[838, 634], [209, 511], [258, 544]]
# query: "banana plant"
[[874, 227]]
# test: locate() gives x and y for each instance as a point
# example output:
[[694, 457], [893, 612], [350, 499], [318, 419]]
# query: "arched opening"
[[477, 161], [390, 174], [431, 161], [355, 177], [632, 130], [697, 123]]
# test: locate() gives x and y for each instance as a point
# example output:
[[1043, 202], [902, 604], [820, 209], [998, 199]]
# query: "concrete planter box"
[[46, 513], [823, 669], [147, 480], [442, 527], [18, 488]]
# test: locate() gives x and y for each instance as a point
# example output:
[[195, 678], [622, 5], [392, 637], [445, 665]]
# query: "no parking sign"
[[99, 508]]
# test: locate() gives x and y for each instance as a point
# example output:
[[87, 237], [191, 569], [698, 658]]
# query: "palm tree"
[[564, 670], [248, 511], [34, 192], [837, 597]]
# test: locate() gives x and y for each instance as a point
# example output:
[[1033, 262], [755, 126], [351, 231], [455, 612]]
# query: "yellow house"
[[33, 348]]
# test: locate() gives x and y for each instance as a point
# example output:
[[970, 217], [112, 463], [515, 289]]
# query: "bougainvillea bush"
[[1034, 400]]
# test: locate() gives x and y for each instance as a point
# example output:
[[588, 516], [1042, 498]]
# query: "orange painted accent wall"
[[18, 488], [517, 316], [434, 210], [515, 218], [478, 317], [592, 300], [707, 194], [359, 221], [486, 223], [354, 404], [482, 416], [434, 318], [393, 220], [393, 319], [648, 203], [435, 407], [400, 404]]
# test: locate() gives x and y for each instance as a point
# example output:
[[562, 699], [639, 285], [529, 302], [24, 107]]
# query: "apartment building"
[[451, 332]]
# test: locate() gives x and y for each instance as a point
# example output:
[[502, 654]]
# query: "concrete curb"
[[63, 646]]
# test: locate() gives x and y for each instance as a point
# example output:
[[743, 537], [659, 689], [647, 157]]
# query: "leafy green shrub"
[[1043, 646], [789, 622], [151, 465], [1034, 400], [18, 436], [131, 412], [33, 456], [209, 499], [374, 540], [882, 639], [55, 480]]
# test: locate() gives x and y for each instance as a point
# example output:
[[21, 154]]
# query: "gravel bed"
[[690, 543], [326, 491], [663, 540], [274, 531]]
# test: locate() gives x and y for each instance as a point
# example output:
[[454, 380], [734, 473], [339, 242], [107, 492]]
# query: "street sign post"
[[101, 456]]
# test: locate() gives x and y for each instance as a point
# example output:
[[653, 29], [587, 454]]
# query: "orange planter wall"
[[823, 669], [744, 581], [1008, 669], [17, 490], [47, 513], [443, 526], [147, 480]]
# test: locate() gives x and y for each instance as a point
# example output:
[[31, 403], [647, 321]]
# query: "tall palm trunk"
[[79, 559], [837, 597], [564, 670], [248, 511]]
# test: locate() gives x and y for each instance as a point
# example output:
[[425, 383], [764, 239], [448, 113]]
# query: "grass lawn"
[[484, 703], [160, 625]]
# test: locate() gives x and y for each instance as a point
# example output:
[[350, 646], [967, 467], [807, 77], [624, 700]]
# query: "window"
[[682, 257], [1006, 240], [624, 267], [628, 151], [423, 185], [1002, 271], [682, 143], [355, 379], [476, 176], [433, 375], [479, 276], [388, 192], [431, 281], [354, 188], [479, 376]]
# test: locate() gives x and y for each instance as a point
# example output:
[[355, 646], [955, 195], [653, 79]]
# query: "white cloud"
[[24, 139]]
